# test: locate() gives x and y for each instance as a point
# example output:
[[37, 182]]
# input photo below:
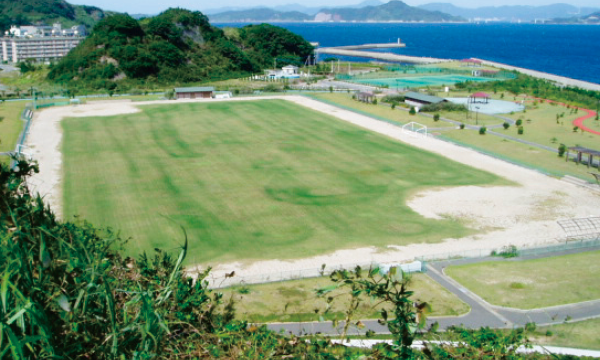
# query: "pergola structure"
[[479, 97], [365, 96], [580, 150]]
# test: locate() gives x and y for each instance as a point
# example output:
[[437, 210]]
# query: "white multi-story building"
[[40, 43]]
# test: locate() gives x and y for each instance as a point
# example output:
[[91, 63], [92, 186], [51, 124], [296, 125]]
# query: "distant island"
[[397, 11], [393, 11], [591, 19], [511, 13]]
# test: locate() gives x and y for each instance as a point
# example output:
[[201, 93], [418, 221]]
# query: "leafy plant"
[[520, 130], [482, 130], [412, 111], [406, 317], [436, 117], [506, 125], [562, 148], [506, 252]]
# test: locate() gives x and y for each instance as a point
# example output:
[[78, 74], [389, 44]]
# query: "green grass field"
[[531, 284], [296, 300], [251, 180], [10, 126]]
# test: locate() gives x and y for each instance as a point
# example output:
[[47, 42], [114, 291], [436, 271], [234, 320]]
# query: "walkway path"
[[482, 313]]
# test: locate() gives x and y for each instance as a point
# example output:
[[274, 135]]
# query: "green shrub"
[[520, 130], [374, 101], [519, 122], [393, 99], [517, 285], [506, 252], [562, 148], [506, 125], [444, 106], [462, 126], [412, 111], [436, 117], [482, 130]]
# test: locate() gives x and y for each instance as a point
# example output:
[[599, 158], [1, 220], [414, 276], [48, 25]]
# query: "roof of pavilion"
[[480, 95]]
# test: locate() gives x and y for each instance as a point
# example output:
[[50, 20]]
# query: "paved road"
[[482, 313]]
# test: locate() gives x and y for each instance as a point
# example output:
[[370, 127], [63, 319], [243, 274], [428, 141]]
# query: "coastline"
[[560, 80]]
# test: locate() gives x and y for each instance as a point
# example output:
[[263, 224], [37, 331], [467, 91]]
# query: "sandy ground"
[[522, 215]]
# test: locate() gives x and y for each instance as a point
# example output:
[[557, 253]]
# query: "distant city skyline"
[[155, 6]]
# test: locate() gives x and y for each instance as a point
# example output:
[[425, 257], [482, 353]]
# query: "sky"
[[156, 6]]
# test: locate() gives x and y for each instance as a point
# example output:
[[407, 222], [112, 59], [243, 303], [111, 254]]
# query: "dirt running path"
[[508, 215]]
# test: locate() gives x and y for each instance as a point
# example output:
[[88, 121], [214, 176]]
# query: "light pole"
[[476, 115]]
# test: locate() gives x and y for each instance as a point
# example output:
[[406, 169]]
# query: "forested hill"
[[177, 46], [35, 12]]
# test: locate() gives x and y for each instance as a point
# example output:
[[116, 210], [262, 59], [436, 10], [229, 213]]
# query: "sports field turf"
[[251, 180]]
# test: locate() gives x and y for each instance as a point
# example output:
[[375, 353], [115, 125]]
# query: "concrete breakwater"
[[379, 56], [560, 80]]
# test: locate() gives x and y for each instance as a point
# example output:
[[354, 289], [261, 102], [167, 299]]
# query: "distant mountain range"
[[292, 7], [591, 19], [394, 10], [513, 13]]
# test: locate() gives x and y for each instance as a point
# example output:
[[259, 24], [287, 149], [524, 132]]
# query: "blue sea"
[[567, 50]]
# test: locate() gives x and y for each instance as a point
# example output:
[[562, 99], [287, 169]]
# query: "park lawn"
[[539, 124], [581, 334], [519, 153], [381, 111], [261, 179], [296, 300], [531, 284], [473, 119], [10, 126]]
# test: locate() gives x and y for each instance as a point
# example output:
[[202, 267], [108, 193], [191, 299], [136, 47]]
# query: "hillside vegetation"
[[177, 46], [66, 292], [30, 12]]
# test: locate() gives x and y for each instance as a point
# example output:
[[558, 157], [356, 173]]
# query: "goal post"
[[415, 129]]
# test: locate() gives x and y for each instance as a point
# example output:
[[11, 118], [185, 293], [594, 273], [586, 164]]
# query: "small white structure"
[[415, 266], [289, 70], [223, 95], [286, 72]]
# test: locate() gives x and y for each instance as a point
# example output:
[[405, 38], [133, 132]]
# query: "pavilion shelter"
[[479, 97]]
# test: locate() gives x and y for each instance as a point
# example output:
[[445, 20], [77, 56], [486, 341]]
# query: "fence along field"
[[251, 180]]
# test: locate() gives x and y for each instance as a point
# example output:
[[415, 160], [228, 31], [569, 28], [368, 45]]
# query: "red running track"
[[579, 121]]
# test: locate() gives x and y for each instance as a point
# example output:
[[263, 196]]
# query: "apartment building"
[[40, 43]]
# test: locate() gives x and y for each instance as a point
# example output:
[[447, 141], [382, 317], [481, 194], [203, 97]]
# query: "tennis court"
[[421, 81]]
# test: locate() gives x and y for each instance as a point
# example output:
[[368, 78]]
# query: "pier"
[[344, 51], [359, 51]]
